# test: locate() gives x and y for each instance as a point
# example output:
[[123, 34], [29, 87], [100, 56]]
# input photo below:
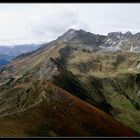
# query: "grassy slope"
[[100, 70], [87, 65], [19, 66], [62, 114]]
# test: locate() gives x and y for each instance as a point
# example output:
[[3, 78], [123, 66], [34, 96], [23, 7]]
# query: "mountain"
[[7, 53], [113, 41], [3, 62], [4, 59], [18, 49], [120, 41], [40, 108], [73, 86]]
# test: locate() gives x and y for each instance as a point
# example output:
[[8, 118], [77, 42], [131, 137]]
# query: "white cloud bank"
[[33, 23]]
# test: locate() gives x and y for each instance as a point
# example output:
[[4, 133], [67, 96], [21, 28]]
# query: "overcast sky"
[[33, 23]]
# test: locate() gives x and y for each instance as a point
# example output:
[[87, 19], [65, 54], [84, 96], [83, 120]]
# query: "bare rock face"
[[137, 36], [128, 34], [115, 35], [81, 37]]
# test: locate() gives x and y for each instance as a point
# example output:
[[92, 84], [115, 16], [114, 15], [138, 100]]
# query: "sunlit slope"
[[62, 114]]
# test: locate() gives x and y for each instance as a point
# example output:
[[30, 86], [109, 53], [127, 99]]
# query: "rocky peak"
[[67, 35], [137, 35], [82, 31], [70, 31], [115, 35], [81, 36], [128, 34]]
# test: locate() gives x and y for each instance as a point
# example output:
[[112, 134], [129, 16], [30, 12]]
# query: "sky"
[[36, 23]]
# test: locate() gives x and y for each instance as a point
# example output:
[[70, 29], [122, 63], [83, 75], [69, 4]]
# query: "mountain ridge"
[[77, 63]]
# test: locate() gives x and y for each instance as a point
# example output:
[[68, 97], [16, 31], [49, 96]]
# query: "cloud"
[[35, 22], [55, 23], [44, 22]]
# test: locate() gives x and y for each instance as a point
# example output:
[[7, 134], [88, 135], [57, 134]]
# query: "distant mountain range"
[[7, 53]]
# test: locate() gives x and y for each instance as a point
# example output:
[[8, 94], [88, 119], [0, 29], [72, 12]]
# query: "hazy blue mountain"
[[18, 49], [7, 53]]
